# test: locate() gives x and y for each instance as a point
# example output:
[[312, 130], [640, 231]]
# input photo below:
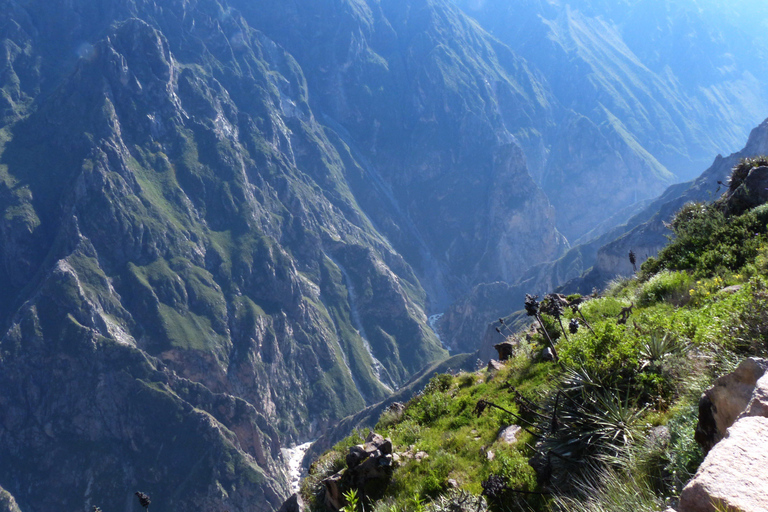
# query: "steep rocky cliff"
[[647, 88], [223, 224], [188, 280], [436, 113], [201, 265], [465, 325]]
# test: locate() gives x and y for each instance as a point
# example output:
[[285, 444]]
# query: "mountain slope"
[[181, 254], [201, 265], [465, 326], [436, 113], [668, 85]]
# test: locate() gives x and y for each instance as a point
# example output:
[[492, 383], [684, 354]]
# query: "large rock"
[[758, 406], [506, 350], [721, 404], [8, 502], [509, 434], [733, 476], [751, 191], [369, 470], [293, 504]]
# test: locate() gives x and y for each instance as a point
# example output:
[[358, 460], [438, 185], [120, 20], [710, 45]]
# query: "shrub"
[[666, 286], [685, 455], [707, 242], [466, 379], [748, 330], [428, 408], [388, 418], [609, 350]]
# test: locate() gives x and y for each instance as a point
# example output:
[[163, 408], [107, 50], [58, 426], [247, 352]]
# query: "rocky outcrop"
[[758, 405], [727, 399], [293, 504], [732, 477], [505, 349], [733, 429], [748, 191], [7, 502], [369, 470]]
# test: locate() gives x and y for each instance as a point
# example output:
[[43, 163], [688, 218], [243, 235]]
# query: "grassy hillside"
[[609, 425]]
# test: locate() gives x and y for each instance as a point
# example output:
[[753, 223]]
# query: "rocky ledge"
[[733, 427]]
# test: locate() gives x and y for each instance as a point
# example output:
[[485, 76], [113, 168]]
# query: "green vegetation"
[[610, 425]]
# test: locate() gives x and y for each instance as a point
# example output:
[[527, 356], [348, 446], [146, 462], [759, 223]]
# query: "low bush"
[[671, 287]]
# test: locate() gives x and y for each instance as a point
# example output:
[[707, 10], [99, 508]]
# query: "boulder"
[[733, 476], [509, 435], [506, 349], [369, 470], [751, 192], [494, 365], [758, 405], [721, 404], [547, 355], [293, 504], [356, 455], [333, 489]]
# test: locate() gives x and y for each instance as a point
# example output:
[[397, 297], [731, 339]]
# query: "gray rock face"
[[494, 366], [729, 396], [732, 477], [7, 502], [758, 405], [369, 469], [751, 191], [505, 350], [293, 504]]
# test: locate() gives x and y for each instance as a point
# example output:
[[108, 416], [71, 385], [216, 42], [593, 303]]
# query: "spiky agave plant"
[[588, 423], [458, 500], [659, 346]]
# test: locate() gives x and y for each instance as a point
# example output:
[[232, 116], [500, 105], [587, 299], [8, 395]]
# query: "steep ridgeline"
[[593, 264], [436, 112], [648, 88], [188, 282]]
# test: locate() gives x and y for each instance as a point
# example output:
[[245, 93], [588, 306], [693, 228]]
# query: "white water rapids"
[[293, 457]]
